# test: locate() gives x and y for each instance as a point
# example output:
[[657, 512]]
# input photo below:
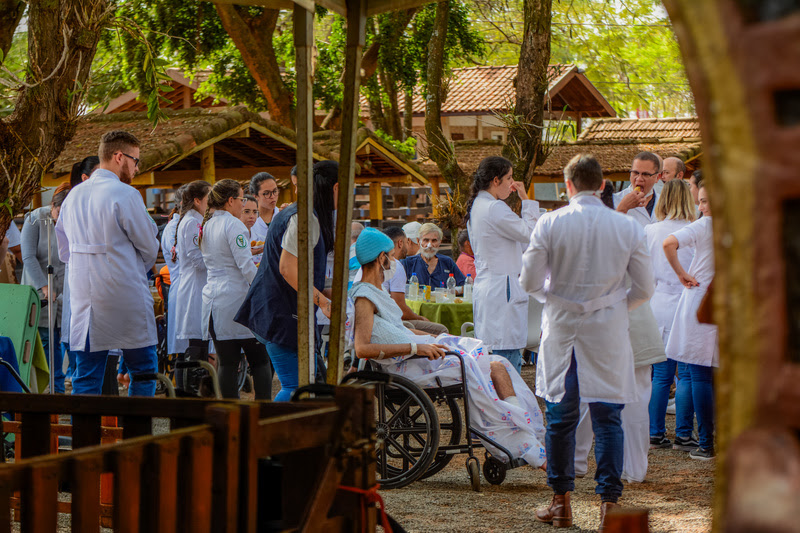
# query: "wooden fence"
[[222, 467]]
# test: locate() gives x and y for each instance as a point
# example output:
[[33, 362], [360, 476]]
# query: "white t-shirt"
[[289, 241], [14, 237], [396, 284]]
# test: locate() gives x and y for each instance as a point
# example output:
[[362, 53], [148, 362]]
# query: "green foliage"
[[15, 66], [626, 48], [407, 147]]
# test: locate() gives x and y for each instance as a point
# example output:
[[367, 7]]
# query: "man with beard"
[[432, 268], [109, 242]]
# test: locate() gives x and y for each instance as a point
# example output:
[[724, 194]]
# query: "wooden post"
[[375, 201], [356, 30], [578, 124], [479, 122], [207, 164], [303, 43]]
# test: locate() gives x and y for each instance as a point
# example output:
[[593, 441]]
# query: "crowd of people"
[[621, 276]]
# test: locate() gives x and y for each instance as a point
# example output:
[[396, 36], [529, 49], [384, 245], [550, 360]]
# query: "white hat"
[[412, 230]]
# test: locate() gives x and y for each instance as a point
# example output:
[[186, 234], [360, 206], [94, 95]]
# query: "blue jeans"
[[703, 397], [514, 357], [88, 378], [284, 361], [663, 376], [58, 357], [562, 420], [71, 356]]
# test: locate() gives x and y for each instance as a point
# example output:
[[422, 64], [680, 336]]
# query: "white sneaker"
[[671, 406]]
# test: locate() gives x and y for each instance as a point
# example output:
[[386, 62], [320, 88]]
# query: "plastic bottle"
[[413, 289], [451, 288], [468, 288]]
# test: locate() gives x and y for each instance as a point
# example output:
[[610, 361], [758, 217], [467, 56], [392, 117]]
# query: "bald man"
[[674, 169]]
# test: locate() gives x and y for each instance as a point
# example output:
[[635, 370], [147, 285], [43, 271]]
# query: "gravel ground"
[[677, 492]]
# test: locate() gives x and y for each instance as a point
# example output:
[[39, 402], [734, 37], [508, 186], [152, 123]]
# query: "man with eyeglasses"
[[109, 242], [638, 200], [265, 188]]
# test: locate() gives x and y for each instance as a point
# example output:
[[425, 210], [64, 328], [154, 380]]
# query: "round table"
[[449, 315]]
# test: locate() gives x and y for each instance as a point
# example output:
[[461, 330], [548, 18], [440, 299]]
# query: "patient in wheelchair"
[[501, 404]]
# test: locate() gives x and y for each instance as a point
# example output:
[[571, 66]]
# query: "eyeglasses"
[[267, 194], [135, 159], [242, 198], [645, 175]]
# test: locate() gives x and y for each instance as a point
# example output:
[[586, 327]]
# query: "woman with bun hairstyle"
[[188, 290], [225, 245]]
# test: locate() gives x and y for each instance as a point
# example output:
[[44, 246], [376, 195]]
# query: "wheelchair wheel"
[[407, 427], [494, 470], [449, 434], [474, 471]]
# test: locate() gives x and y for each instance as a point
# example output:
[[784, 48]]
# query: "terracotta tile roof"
[[615, 158], [483, 90], [184, 131], [630, 129]]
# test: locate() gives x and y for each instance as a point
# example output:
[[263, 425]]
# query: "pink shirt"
[[466, 263]]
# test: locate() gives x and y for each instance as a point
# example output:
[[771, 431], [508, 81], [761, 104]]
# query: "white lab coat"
[[174, 344], [189, 295], [586, 249], [226, 252], [498, 237], [639, 214], [109, 240], [690, 341], [664, 302], [258, 233]]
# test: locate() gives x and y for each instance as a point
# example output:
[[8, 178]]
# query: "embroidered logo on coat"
[[196, 240], [241, 242]]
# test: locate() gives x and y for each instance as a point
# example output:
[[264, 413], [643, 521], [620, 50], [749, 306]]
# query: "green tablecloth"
[[449, 315]]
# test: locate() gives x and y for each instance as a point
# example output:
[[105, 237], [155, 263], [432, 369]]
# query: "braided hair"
[[490, 168], [221, 192], [190, 192]]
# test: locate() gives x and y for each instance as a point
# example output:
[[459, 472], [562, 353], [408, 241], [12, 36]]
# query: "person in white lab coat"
[[586, 250], [188, 291], [265, 188], [109, 241], [174, 345], [689, 341], [638, 200], [675, 209], [226, 252], [498, 237]]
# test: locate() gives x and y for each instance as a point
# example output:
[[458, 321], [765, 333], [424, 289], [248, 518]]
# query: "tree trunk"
[[393, 124], [10, 14], [376, 114], [253, 37], [46, 108], [524, 147], [408, 113]]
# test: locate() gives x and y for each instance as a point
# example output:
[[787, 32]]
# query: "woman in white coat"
[[188, 294], [169, 250], [689, 341], [675, 210], [226, 251], [499, 237]]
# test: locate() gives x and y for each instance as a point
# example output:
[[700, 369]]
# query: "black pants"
[[229, 354]]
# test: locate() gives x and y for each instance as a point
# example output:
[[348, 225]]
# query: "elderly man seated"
[[432, 268], [508, 411]]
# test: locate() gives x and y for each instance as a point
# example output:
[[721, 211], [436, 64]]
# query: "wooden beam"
[[375, 201], [303, 43], [145, 179], [207, 169], [532, 191], [356, 31], [171, 177], [266, 151], [241, 157], [210, 142], [381, 6]]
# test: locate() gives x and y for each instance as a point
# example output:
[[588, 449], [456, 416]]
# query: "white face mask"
[[388, 273]]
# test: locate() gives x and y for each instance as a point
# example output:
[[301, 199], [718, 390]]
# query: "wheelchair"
[[419, 431]]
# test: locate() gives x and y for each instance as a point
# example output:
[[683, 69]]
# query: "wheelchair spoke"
[[400, 410], [382, 460], [380, 396], [408, 457]]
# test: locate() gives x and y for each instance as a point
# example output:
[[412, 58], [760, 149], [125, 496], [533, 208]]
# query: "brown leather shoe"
[[605, 507], [559, 513]]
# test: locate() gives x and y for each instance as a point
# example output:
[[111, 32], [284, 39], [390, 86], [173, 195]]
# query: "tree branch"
[[10, 14]]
